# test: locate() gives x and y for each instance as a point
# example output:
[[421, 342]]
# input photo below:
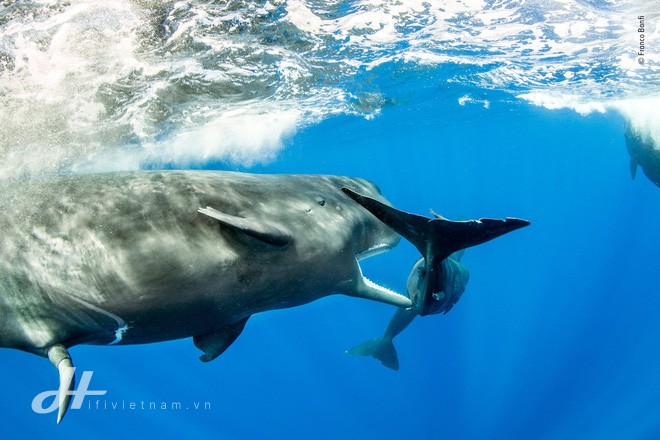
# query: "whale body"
[[140, 257], [644, 153], [131, 258], [150, 256]]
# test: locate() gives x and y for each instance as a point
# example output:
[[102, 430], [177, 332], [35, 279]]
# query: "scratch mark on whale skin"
[[122, 327]]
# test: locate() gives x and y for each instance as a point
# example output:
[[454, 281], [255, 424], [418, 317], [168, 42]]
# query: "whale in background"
[[643, 153]]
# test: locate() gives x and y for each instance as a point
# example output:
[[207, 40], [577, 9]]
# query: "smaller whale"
[[643, 153], [456, 277], [438, 280]]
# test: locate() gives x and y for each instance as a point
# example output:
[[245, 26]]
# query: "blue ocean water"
[[557, 334]]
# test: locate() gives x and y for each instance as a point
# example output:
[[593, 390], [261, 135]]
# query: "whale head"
[[310, 213], [316, 207], [370, 235], [310, 222]]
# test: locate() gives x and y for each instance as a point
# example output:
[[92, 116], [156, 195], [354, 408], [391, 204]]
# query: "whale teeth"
[[362, 287], [60, 358], [373, 251], [376, 292]]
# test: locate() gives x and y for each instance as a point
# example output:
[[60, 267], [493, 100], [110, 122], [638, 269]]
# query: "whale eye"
[[439, 296], [320, 200]]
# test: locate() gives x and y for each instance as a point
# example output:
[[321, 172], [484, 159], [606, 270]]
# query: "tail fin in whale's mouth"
[[438, 236], [436, 239]]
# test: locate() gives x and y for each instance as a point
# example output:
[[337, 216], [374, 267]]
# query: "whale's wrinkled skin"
[[643, 153], [140, 257]]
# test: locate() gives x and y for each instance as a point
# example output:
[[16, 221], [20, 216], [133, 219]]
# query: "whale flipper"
[[633, 166], [60, 358], [215, 343], [438, 237], [267, 233], [380, 348]]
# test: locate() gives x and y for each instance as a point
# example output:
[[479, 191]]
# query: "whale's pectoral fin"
[[379, 348], [437, 238], [633, 166], [215, 343], [60, 358], [268, 233]]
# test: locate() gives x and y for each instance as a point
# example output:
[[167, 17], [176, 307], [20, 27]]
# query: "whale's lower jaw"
[[382, 294], [362, 287]]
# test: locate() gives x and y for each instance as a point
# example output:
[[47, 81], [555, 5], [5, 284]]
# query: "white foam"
[[104, 85], [467, 99], [241, 136], [303, 18], [48, 99], [643, 114], [556, 101]]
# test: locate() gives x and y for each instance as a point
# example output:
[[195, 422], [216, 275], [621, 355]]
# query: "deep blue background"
[[556, 337]]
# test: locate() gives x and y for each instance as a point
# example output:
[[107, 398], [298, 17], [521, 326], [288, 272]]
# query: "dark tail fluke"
[[438, 237], [446, 236], [413, 228]]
